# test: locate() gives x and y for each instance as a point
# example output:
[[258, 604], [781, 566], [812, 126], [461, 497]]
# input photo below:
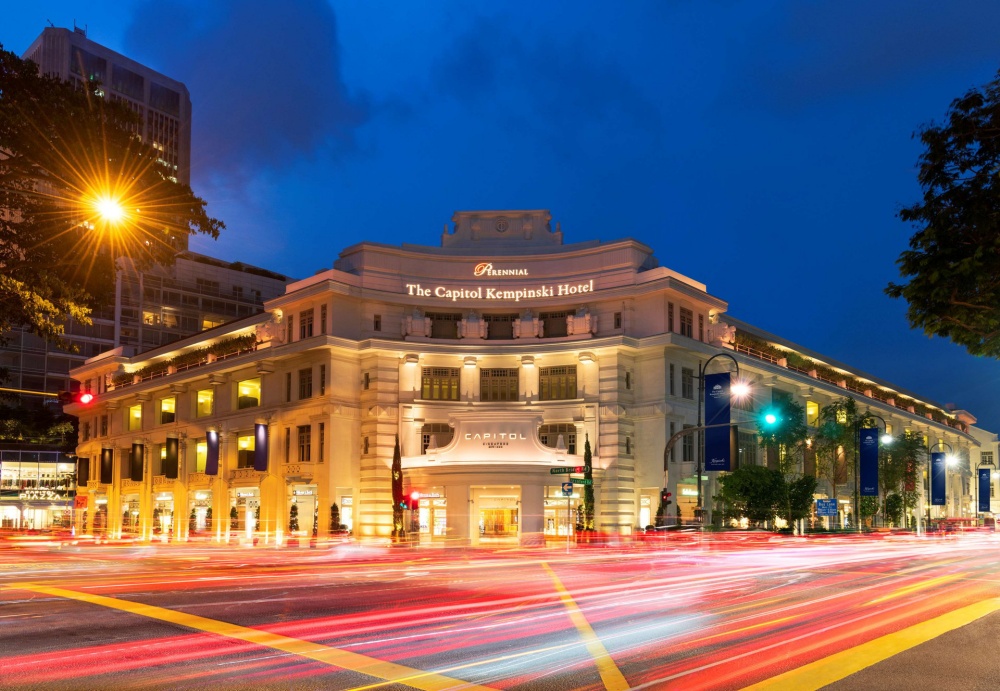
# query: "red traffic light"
[[85, 397], [81, 397]]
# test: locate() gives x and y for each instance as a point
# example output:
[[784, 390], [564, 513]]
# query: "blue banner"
[[212, 453], [984, 489], [869, 461], [136, 462], [938, 469], [108, 466], [717, 452], [260, 447]]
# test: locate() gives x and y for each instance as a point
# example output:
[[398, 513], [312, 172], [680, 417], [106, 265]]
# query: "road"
[[733, 612]]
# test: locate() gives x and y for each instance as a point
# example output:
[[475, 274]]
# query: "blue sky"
[[761, 147]]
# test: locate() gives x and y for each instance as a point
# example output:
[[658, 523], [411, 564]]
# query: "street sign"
[[581, 481], [567, 489], [826, 507], [560, 471]]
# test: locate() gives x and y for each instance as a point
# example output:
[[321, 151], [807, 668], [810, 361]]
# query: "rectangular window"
[[672, 377], [168, 407], [104, 425], [135, 417], [687, 383], [628, 381], [288, 387], [618, 320], [377, 322], [321, 441], [812, 413], [305, 442], [364, 446], [248, 393], [203, 402], [290, 333], [557, 383], [306, 324], [85, 431], [747, 448], [444, 325], [440, 383], [687, 322], [305, 383], [200, 456], [554, 324], [288, 445], [367, 382], [498, 384], [687, 449], [245, 446], [670, 317], [673, 431], [499, 327], [322, 380], [322, 319], [701, 327]]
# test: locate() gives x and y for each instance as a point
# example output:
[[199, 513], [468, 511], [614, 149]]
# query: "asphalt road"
[[688, 613]]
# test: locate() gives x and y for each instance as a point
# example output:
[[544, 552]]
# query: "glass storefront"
[[36, 490]]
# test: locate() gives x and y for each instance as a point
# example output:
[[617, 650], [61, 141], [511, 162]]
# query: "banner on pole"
[[984, 489], [938, 470], [869, 461], [212, 453], [717, 403]]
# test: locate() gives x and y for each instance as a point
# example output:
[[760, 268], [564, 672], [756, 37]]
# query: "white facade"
[[493, 359]]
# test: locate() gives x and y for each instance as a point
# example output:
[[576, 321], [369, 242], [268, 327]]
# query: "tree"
[[798, 500], [397, 492], [208, 518], [67, 156], [588, 490], [953, 264], [293, 518], [787, 435], [334, 517], [753, 492], [234, 519], [894, 509], [835, 441]]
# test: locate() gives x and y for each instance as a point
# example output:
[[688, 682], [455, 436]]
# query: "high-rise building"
[[163, 104]]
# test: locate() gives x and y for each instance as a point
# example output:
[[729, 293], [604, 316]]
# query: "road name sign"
[[581, 481], [574, 469]]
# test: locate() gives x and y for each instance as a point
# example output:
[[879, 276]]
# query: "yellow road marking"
[[388, 671], [823, 672], [940, 580], [612, 677]]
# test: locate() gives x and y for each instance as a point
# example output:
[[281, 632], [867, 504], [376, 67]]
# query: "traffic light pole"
[[672, 442]]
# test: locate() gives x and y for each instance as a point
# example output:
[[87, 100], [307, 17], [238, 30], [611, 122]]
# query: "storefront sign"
[[246, 494], [516, 295], [79, 502], [43, 494], [302, 492]]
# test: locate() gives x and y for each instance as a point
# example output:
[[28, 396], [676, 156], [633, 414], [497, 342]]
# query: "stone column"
[[459, 514], [532, 516]]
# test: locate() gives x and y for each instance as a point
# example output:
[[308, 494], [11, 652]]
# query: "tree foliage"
[[787, 437], [397, 491], [64, 152], [952, 267], [588, 490], [836, 449], [753, 492]]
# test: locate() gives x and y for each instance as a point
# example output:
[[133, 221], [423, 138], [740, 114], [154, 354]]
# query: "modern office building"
[[163, 104], [492, 360]]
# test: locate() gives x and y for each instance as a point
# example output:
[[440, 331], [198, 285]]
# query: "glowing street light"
[[109, 209]]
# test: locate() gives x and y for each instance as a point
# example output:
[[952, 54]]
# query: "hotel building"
[[492, 359]]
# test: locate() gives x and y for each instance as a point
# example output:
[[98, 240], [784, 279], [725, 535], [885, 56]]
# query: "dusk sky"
[[761, 147]]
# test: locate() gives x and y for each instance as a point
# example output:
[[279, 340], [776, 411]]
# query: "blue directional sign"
[[826, 507], [567, 489]]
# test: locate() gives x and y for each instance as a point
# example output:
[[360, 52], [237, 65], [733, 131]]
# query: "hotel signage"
[[513, 295], [486, 269]]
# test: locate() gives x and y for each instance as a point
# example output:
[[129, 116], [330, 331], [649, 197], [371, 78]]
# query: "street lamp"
[[885, 439]]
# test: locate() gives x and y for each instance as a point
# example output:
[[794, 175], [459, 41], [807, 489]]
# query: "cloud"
[[265, 83]]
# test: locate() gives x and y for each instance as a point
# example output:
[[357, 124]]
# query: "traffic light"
[[770, 418], [665, 497], [414, 501], [81, 397], [404, 503]]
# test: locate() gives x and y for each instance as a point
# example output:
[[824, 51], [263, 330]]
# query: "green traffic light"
[[770, 418]]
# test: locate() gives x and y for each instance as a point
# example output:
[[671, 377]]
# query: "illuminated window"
[[167, 410], [549, 436], [557, 383], [245, 446], [842, 416], [812, 413], [135, 417], [248, 393], [211, 323], [440, 383], [203, 402], [499, 384], [200, 456]]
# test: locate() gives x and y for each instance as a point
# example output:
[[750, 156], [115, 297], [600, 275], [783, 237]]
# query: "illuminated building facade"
[[493, 359]]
